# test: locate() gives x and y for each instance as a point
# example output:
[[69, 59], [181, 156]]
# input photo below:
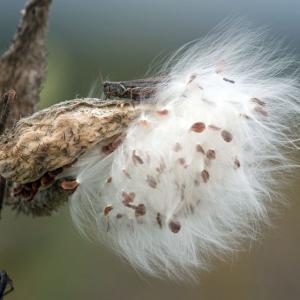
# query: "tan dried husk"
[[57, 136]]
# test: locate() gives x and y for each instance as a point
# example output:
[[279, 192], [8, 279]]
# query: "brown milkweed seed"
[[126, 173], [136, 159], [211, 154], [109, 179], [258, 101], [151, 181], [69, 184], [174, 226], [237, 163], [127, 197], [226, 135], [107, 209], [140, 210], [162, 112], [205, 175], [158, 220], [200, 149], [198, 127]]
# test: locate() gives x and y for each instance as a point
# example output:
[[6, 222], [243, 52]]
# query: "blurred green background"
[[92, 40]]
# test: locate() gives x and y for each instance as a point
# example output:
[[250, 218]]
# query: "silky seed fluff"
[[195, 174], [191, 176]]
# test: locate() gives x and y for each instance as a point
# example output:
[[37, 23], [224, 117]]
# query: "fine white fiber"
[[195, 174]]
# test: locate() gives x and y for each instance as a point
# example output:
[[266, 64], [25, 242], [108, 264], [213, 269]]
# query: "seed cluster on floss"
[[193, 176]]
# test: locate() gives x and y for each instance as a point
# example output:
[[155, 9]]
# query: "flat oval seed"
[[162, 112], [140, 210], [151, 181], [107, 209], [205, 176], [198, 127], [69, 184], [226, 135], [211, 154], [174, 226], [200, 149], [237, 163]]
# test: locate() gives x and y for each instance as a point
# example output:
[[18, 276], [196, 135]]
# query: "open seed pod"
[[41, 146], [168, 186]]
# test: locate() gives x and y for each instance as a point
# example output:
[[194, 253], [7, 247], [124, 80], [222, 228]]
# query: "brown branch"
[[22, 68], [138, 89], [5, 103]]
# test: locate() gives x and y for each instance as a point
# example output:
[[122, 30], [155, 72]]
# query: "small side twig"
[[22, 66], [138, 89], [5, 103]]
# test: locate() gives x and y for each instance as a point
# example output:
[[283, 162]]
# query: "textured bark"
[[33, 149], [5, 103], [55, 137], [39, 148], [22, 66], [138, 89], [22, 69]]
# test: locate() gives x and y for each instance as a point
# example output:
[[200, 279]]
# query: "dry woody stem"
[[22, 68], [34, 150]]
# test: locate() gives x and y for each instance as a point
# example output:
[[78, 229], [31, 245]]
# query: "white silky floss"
[[194, 176]]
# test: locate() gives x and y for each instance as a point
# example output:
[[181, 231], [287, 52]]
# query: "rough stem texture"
[[139, 89], [56, 136], [5, 103], [22, 68]]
